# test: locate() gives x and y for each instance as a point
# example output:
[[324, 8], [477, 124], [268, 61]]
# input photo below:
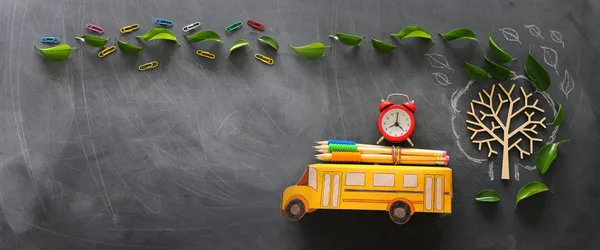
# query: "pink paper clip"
[[94, 28]]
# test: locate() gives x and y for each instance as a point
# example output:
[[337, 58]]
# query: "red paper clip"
[[94, 28], [256, 25]]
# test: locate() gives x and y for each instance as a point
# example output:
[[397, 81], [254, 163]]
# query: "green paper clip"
[[234, 26]]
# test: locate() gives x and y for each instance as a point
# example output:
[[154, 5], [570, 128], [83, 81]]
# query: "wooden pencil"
[[388, 151], [357, 144], [388, 159]]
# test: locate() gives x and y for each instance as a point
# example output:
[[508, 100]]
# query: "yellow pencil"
[[385, 159]]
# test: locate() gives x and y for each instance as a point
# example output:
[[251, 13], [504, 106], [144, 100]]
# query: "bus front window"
[[308, 178]]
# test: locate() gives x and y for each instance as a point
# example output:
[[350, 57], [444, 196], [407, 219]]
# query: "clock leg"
[[410, 142]]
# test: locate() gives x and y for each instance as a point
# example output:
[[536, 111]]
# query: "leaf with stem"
[[128, 48], [382, 46], [310, 51], [559, 118], [497, 70], [93, 41], [537, 73], [239, 44], [459, 34], [476, 73], [530, 189], [270, 41], [497, 53], [547, 155], [347, 39], [204, 36], [57, 53], [158, 34], [413, 31], [487, 195]]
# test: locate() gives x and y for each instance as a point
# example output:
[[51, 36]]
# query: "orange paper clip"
[[205, 54], [147, 66], [264, 59], [107, 51], [130, 28]]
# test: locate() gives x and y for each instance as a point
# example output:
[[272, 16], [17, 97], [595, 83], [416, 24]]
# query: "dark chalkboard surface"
[[195, 154]]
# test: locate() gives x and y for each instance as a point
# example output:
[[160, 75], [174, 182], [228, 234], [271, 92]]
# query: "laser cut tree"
[[527, 130]]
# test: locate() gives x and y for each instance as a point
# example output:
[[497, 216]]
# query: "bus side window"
[[410, 181], [383, 180], [312, 177], [355, 179]]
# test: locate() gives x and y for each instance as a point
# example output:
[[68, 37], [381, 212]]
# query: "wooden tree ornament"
[[526, 130]]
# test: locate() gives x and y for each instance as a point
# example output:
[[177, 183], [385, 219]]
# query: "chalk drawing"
[[441, 78], [557, 37], [552, 136], [567, 84], [510, 35], [518, 166], [534, 31], [551, 58], [453, 103], [438, 61]]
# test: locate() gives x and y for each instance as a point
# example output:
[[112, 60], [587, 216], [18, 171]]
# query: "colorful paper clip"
[[130, 28], [163, 22], [264, 59], [50, 39], [191, 27], [147, 66], [94, 28], [106, 51], [205, 54], [256, 25], [234, 26]]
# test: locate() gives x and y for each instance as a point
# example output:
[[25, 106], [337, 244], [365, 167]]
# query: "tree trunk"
[[505, 163]]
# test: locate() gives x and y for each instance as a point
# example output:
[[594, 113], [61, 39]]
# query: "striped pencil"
[[357, 144], [388, 150], [383, 159]]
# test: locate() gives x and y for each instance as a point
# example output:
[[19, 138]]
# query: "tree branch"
[[483, 126], [527, 106], [527, 123], [488, 142]]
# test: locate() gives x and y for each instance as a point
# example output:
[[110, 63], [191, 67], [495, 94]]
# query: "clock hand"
[[392, 125], [396, 118]]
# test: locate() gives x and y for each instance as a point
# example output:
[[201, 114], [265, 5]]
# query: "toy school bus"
[[400, 190]]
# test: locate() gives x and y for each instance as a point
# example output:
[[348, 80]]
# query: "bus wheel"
[[295, 210], [400, 212]]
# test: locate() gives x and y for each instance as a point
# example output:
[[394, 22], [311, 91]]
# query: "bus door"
[[434, 193], [330, 196]]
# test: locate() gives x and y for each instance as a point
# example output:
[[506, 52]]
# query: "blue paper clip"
[[163, 22], [50, 39]]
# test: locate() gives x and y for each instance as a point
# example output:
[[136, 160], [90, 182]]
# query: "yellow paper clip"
[[264, 59], [205, 54], [106, 51], [147, 66], [130, 28]]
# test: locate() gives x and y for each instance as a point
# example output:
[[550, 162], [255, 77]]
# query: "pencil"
[[388, 159], [388, 150], [357, 144]]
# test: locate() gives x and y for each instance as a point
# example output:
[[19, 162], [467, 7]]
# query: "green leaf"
[[537, 73], [347, 39], [93, 41], [497, 53], [559, 118], [459, 34], [382, 46], [204, 36], [310, 51], [270, 41], [487, 195], [158, 34], [497, 70], [530, 189], [546, 155], [413, 31], [128, 48], [476, 73], [57, 53], [238, 44]]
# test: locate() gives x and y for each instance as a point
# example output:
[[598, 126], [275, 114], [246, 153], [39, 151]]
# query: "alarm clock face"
[[396, 122]]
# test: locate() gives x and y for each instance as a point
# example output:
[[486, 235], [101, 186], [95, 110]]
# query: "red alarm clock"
[[397, 122]]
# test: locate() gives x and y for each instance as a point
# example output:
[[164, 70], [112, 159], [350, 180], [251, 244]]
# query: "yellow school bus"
[[400, 190]]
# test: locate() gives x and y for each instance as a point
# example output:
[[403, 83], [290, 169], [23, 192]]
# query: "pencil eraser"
[[444, 153]]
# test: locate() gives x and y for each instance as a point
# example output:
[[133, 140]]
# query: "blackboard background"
[[195, 154]]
